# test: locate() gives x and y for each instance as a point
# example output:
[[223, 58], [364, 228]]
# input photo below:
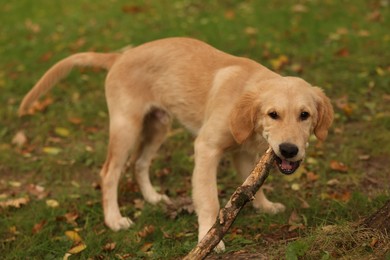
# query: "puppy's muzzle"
[[287, 151]]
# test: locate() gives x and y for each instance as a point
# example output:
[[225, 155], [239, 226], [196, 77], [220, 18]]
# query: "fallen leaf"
[[133, 9], [15, 203], [47, 56], [39, 106], [279, 62], [338, 166], [299, 8], [146, 247], [38, 227], [77, 248], [139, 203], [109, 247], [343, 196], [75, 120], [333, 182], [311, 176], [374, 16], [37, 191], [32, 27], [294, 218], [251, 31], [146, 231], [52, 203], [61, 131], [364, 157], [71, 218], [73, 236], [180, 205], [295, 186], [374, 241], [230, 14], [52, 150], [15, 184], [343, 52], [19, 139], [304, 204]]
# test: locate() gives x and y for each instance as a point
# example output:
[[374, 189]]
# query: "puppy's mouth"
[[287, 167]]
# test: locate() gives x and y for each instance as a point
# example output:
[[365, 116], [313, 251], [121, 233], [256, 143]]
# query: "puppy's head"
[[285, 111]]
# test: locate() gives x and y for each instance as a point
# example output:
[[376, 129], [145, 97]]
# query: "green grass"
[[341, 46]]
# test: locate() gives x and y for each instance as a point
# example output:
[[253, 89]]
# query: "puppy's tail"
[[61, 69]]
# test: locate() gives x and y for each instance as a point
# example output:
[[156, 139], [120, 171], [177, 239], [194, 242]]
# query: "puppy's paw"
[[270, 207], [220, 248], [119, 223]]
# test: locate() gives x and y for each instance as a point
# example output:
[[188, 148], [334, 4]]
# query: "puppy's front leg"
[[204, 183]]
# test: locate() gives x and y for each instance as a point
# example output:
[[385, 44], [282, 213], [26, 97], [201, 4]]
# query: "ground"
[[50, 160]]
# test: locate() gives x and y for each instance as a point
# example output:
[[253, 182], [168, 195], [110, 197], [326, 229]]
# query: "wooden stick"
[[228, 214]]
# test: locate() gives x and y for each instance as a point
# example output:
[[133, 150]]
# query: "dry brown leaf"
[[75, 120], [38, 227], [180, 205], [230, 14], [146, 247], [133, 9], [146, 231], [294, 218], [109, 247], [338, 166], [15, 203], [304, 204], [37, 191], [71, 218], [39, 106], [311, 176], [333, 182], [32, 27], [19, 139], [343, 52], [299, 8]]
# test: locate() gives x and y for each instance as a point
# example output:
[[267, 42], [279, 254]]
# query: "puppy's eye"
[[304, 115], [273, 115]]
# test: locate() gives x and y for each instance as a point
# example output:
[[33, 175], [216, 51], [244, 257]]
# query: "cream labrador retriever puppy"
[[229, 103]]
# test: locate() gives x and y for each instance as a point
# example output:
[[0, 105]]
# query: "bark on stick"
[[228, 214]]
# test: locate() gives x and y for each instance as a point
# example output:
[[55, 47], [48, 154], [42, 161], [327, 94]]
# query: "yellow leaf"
[[73, 235], [77, 248], [52, 203], [279, 62], [61, 131], [14, 184], [295, 186], [51, 150]]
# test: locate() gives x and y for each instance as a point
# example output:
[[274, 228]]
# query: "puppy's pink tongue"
[[286, 165]]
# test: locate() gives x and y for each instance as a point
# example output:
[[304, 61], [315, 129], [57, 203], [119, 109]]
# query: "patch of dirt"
[[375, 180]]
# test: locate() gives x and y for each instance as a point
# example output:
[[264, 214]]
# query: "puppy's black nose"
[[288, 150]]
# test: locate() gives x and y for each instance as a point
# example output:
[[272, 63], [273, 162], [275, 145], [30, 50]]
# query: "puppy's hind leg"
[[124, 133], [155, 128]]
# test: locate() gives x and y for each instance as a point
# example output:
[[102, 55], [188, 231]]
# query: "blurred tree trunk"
[[380, 219]]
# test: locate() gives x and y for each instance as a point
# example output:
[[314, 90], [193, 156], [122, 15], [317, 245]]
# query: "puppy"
[[229, 103]]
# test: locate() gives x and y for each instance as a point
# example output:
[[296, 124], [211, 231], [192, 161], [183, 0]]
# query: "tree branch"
[[228, 214]]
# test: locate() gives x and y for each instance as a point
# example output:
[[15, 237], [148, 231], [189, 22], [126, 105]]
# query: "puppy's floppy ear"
[[325, 114], [243, 117]]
